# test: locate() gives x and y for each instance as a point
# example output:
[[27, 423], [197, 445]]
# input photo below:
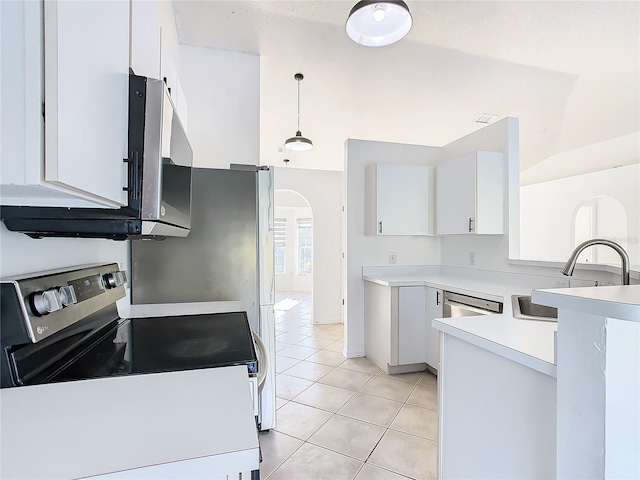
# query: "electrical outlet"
[[472, 258], [562, 283], [392, 258]]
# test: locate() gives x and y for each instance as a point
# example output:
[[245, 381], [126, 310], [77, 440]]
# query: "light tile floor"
[[344, 418]]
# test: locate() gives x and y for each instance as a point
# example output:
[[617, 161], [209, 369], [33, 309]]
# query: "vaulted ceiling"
[[568, 70]]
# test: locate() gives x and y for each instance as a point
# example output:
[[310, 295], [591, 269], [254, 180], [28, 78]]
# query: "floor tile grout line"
[[353, 393]]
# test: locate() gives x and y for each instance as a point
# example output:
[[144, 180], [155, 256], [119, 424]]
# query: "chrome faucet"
[[571, 263]]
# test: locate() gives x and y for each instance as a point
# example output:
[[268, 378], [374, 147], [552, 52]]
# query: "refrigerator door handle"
[[263, 354]]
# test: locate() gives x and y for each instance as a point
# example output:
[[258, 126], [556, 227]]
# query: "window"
[[279, 243], [305, 244]]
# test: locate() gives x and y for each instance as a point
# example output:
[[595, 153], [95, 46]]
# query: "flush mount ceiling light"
[[376, 24], [298, 143]]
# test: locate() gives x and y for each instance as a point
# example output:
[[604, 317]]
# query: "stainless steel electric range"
[[64, 326]]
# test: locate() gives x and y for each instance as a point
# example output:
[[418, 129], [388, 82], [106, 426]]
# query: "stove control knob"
[[115, 279], [46, 302], [67, 295]]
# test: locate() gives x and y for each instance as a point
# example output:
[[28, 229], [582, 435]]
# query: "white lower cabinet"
[[433, 308], [411, 325], [395, 324]]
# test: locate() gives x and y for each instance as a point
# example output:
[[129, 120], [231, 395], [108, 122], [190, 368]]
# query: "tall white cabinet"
[[399, 199], [470, 194]]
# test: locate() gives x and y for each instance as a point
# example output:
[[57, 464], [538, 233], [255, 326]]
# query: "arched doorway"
[[293, 242], [600, 217]]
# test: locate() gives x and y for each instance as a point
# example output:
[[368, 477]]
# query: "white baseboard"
[[326, 321], [353, 354]]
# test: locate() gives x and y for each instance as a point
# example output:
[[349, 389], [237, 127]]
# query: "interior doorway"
[[293, 244], [600, 217]]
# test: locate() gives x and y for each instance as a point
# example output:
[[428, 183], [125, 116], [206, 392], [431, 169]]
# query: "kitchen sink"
[[524, 309]]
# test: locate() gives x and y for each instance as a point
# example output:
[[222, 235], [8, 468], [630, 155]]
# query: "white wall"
[[222, 90], [492, 252], [550, 206], [291, 281], [364, 249], [322, 189], [20, 254]]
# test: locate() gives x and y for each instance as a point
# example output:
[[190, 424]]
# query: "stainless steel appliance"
[[228, 256], [458, 305], [159, 180], [65, 326]]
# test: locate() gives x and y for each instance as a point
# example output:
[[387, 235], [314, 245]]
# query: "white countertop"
[[528, 342], [126, 310], [467, 286], [616, 301], [92, 427]]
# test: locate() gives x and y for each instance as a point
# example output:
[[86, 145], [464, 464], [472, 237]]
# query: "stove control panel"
[[43, 303], [48, 303], [115, 279]]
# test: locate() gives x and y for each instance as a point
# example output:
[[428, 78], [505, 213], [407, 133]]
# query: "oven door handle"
[[264, 364]]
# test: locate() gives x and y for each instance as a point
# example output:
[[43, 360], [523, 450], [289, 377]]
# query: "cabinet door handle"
[[437, 298], [470, 224], [380, 227], [133, 175]]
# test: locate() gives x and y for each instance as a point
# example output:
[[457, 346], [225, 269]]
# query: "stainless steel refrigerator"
[[228, 255]]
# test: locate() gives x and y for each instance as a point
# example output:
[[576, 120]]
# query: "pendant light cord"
[[298, 104]]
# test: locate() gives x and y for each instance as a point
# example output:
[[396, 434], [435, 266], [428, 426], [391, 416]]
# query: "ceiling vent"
[[486, 118]]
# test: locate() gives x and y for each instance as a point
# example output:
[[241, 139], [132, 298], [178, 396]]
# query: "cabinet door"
[[490, 188], [403, 204], [433, 310], [411, 325], [145, 39], [456, 193], [168, 70], [86, 97], [181, 105]]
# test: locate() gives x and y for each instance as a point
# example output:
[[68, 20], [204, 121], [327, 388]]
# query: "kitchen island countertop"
[[615, 301]]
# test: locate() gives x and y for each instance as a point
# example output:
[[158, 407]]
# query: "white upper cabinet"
[[399, 199], [168, 68], [75, 157], [145, 39], [470, 193], [181, 104], [86, 51], [151, 52]]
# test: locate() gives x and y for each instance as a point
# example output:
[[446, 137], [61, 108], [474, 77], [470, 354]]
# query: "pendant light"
[[377, 24], [298, 143]]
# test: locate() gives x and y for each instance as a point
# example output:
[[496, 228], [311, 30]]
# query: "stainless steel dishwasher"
[[458, 305]]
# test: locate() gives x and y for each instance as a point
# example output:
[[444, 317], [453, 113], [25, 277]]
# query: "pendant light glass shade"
[[377, 24], [298, 143]]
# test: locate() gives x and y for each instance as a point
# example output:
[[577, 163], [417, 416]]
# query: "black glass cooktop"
[[166, 344]]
